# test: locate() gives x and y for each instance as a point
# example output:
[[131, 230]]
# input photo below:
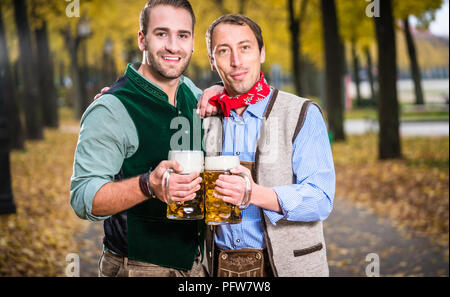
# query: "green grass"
[[370, 113]]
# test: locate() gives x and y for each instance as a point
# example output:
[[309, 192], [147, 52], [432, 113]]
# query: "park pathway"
[[351, 233]]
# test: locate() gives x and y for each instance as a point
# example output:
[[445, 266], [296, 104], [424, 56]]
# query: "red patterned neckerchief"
[[257, 93]]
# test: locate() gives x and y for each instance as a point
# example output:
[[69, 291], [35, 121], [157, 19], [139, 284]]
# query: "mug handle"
[[248, 191], [165, 182]]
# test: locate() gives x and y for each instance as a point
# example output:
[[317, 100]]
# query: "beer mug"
[[191, 161], [217, 211]]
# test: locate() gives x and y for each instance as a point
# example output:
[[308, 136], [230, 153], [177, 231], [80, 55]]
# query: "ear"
[[142, 41], [263, 54], [212, 63]]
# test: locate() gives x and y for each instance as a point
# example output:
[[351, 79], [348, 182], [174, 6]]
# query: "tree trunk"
[[333, 70], [370, 77], [84, 78], [7, 205], [389, 146], [47, 83], [356, 78], [10, 104], [296, 46], [72, 47], [415, 69], [62, 74], [32, 104]]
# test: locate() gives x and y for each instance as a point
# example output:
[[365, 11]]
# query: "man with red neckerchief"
[[282, 142]]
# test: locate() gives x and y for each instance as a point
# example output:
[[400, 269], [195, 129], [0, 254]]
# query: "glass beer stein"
[[218, 212], [191, 161]]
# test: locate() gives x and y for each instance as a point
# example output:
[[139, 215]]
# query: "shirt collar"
[[133, 73], [257, 109]]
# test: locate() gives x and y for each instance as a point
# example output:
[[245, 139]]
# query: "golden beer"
[[219, 212], [191, 161]]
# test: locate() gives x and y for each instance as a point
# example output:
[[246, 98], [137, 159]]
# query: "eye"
[[161, 34], [184, 36], [222, 51], [245, 47]]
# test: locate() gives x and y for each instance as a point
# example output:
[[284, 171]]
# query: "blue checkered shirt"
[[311, 199]]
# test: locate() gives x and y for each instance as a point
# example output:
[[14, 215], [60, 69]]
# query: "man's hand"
[[204, 109], [181, 187], [103, 91], [231, 188]]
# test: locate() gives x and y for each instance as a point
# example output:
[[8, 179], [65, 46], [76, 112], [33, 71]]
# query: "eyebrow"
[[243, 41], [165, 29]]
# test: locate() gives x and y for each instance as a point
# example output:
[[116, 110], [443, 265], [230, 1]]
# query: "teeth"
[[171, 59]]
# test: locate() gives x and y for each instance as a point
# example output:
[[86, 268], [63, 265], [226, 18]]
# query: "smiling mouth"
[[239, 76], [172, 59]]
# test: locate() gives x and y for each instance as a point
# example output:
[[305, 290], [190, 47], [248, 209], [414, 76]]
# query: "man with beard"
[[282, 140], [124, 135]]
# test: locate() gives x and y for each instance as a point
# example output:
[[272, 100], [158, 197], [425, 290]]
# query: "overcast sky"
[[440, 25]]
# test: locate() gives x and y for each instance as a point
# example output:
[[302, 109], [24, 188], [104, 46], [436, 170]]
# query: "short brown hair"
[[145, 13], [234, 19]]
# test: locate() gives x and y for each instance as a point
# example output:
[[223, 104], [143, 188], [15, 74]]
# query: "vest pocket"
[[312, 249]]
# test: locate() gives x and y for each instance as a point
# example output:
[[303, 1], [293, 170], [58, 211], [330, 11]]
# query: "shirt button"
[[179, 112], [187, 132], [238, 240], [238, 153]]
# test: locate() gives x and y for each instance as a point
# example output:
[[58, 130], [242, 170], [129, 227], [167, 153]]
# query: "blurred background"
[[379, 69]]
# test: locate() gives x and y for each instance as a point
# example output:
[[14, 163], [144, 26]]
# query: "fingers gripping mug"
[[217, 211], [191, 161]]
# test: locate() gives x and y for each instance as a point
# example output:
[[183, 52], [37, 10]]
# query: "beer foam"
[[191, 161], [221, 162]]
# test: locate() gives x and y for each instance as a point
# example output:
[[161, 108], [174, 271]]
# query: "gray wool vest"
[[296, 249]]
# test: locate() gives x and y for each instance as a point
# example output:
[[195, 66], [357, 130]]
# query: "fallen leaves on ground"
[[36, 240], [413, 191]]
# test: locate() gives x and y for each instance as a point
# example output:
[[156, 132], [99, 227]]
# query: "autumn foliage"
[[413, 191], [36, 240]]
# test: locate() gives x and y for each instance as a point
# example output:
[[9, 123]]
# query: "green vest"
[[152, 237]]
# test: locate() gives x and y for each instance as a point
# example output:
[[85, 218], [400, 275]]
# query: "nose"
[[172, 44], [235, 59]]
